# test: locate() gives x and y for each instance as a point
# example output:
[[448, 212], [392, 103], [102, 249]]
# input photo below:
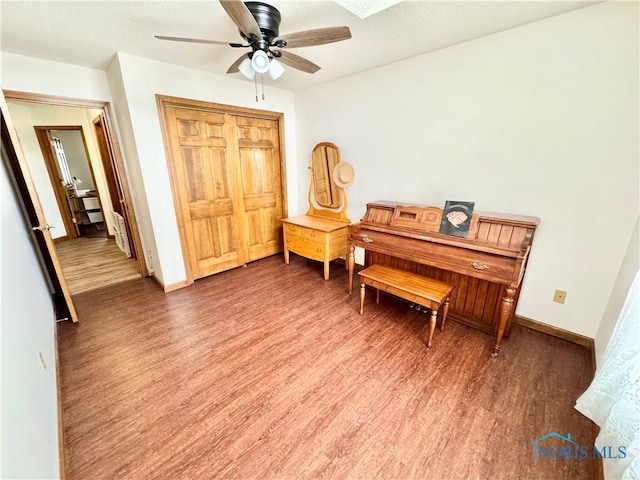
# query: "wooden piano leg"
[[505, 312], [351, 264]]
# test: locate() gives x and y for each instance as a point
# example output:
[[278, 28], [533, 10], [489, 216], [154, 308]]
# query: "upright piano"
[[486, 267]]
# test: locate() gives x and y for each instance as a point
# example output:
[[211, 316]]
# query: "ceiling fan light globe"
[[246, 69], [275, 69], [260, 62]]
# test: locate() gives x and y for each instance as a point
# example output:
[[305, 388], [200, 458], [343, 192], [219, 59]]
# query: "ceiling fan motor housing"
[[268, 19]]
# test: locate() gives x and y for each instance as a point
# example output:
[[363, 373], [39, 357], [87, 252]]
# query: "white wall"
[[540, 120], [25, 116], [134, 174], [139, 81], [29, 437], [27, 74]]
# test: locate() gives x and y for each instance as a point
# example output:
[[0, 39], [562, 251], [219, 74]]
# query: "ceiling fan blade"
[[194, 40], [297, 62], [234, 66], [320, 36], [242, 17]]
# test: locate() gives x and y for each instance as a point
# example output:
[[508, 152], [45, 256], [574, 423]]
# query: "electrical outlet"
[[560, 296]]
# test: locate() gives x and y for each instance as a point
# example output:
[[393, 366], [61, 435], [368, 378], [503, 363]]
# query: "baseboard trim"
[[171, 287], [60, 239], [572, 337], [176, 286]]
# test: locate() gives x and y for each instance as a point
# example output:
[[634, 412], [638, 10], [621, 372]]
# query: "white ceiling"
[[89, 33]]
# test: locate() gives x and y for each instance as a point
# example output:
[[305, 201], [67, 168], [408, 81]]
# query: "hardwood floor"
[[93, 262], [269, 372]]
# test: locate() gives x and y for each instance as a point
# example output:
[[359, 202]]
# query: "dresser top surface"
[[319, 223]]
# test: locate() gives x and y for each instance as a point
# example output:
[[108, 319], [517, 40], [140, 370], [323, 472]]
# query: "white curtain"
[[612, 400]]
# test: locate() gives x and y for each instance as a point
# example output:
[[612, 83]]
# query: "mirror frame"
[[320, 164], [326, 193]]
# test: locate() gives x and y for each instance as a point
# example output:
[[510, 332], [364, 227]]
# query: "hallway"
[[90, 263]]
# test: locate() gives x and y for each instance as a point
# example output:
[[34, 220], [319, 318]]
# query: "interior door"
[[106, 157], [261, 182], [55, 166], [206, 189], [13, 156]]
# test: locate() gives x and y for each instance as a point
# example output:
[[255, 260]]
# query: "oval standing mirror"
[[324, 159], [329, 178]]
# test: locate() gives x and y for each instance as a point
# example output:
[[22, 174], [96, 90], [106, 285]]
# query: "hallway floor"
[[90, 263]]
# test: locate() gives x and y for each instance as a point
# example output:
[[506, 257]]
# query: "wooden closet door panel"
[[261, 179], [208, 198]]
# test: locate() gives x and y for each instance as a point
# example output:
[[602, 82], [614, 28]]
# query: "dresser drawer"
[[291, 230], [305, 247], [313, 235], [304, 232]]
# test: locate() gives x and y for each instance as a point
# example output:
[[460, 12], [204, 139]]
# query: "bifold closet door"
[[258, 144], [227, 183], [207, 190]]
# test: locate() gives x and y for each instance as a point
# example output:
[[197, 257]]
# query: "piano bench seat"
[[409, 286]]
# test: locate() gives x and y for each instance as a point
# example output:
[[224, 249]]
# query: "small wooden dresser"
[[317, 238], [322, 234]]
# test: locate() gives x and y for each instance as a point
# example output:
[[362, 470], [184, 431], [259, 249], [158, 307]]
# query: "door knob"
[[43, 228]]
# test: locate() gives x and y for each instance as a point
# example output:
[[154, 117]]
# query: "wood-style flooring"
[[93, 262], [270, 372]]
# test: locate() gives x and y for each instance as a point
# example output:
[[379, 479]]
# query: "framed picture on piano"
[[456, 218]]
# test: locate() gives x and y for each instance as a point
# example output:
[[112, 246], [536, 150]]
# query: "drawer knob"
[[479, 266], [313, 233], [366, 239]]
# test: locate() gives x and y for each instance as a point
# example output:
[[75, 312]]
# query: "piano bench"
[[408, 286]]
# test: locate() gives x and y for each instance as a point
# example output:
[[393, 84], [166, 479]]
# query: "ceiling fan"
[[259, 25]]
